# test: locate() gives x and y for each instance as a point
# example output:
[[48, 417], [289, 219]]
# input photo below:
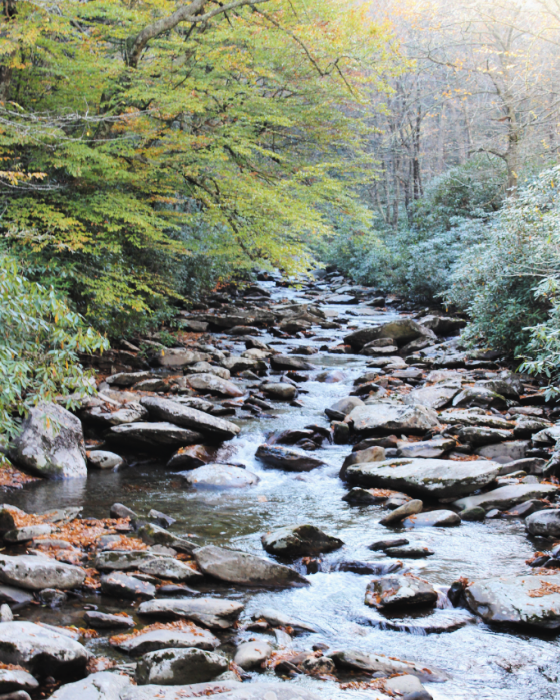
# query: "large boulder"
[[402, 331], [51, 443], [219, 476], [285, 458], [41, 650], [37, 572], [532, 601], [174, 412], [212, 384], [299, 541], [246, 569], [153, 435], [214, 613], [385, 417], [545, 523], [177, 666], [508, 496], [439, 478]]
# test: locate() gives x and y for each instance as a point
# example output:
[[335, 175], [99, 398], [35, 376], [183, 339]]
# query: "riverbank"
[[287, 388]]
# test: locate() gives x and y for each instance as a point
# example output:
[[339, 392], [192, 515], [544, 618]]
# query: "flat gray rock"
[[180, 666], [209, 612], [505, 497], [122, 561], [51, 443], [299, 541], [279, 390], [290, 362], [219, 476], [532, 601], [426, 449], [435, 397], [193, 636], [101, 459], [179, 357], [100, 620], [38, 572], [475, 417], [246, 569], [185, 417], [169, 569], [41, 650], [439, 478], [153, 435], [387, 417], [212, 384], [12, 680], [276, 618], [478, 435], [119, 585]]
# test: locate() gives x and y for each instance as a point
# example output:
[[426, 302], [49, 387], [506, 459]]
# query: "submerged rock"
[[220, 476], [246, 569], [51, 443], [439, 478], [299, 541], [532, 601]]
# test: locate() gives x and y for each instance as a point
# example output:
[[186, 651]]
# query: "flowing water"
[[481, 662]]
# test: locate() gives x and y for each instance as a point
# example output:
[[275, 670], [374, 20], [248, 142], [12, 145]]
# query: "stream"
[[482, 662]]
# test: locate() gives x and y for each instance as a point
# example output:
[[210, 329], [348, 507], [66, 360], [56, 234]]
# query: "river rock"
[[38, 572], [261, 691], [477, 436], [27, 533], [544, 523], [100, 620], [15, 596], [153, 534], [409, 552], [153, 640], [246, 569], [51, 443], [124, 379], [505, 497], [212, 384], [479, 396], [435, 397], [426, 449], [350, 660], [169, 569], [207, 368], [408, 687], [279, 390], [528, 425], [252, 655], [174, 412], [180, 666], [121, 560], [179, 357], [340, 409], [276, 618], [475, 417], [392, 418], [439, 478], [190, 457], [219, 476], [288, 459], [209, 612], [287, 362], [433, 518], [370, 454], [504, 452], [153, 435], [120, 585], [442, 325], [41, 650], [13, 680], [524, 600], [99, 686], [299, 541], [99, 416], [390, 592], [402, 331], [395, 516], [236, 364], [100, 459]]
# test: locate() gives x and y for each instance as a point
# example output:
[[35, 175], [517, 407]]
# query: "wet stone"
[[100, 620], [409, 552], [393, 592], [121, 585], [209, 612], [180, 666], [382, 545], [299, 541], [433, 518]]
